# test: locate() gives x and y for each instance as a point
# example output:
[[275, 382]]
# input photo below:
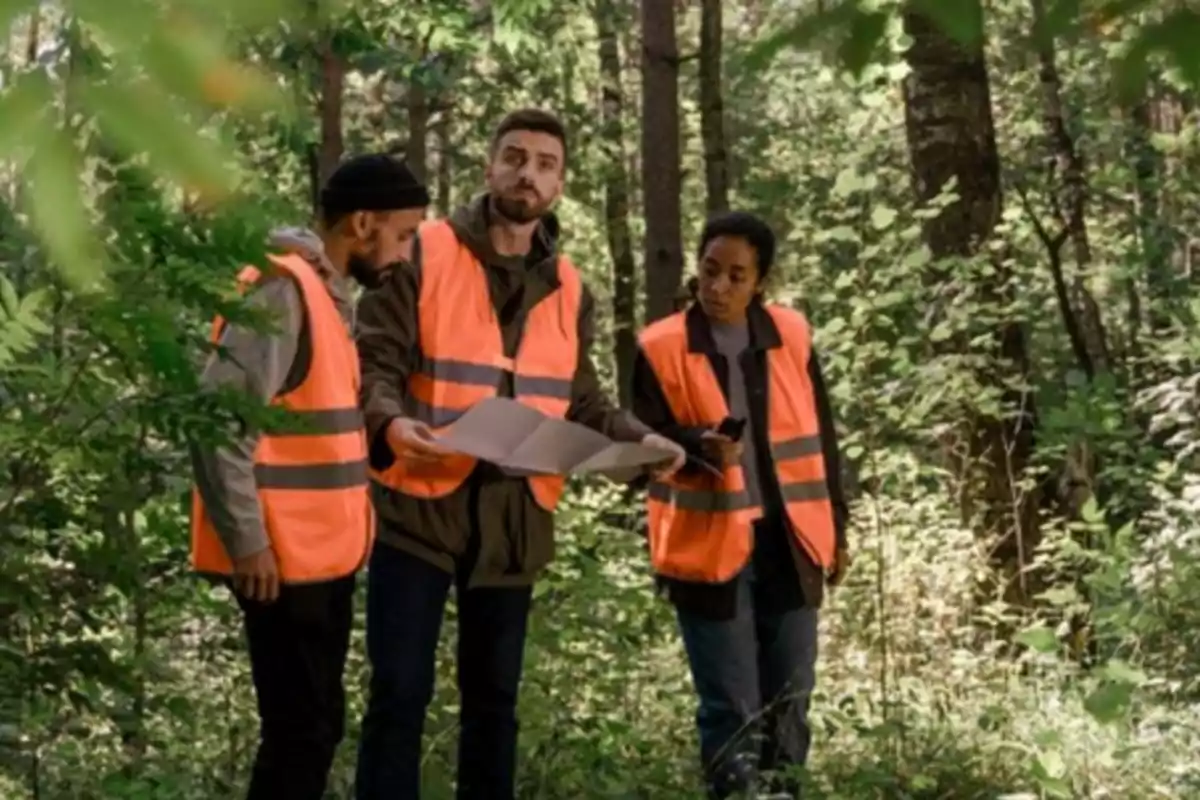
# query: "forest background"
[[987, 210]]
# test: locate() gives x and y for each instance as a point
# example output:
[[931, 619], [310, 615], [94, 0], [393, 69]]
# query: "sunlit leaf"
[[1038, 638]]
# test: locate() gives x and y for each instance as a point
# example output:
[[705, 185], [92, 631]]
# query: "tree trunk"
[[331, 83], [1149, 171], [616, 200], [712, 108], [416, 153], [661, 178], [1081, 312], [443, 132], [951, 136]]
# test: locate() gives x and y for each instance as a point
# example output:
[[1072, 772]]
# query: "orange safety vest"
[[700, 524], [461, 359], [312, 485]]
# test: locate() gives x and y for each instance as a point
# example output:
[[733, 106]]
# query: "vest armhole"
[[302, 361]]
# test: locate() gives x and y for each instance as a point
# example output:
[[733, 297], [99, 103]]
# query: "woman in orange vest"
[[283, 514], [744, 556]]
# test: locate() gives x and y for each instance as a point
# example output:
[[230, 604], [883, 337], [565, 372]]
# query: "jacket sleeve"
[[257, 363], [830, 450], [590, 405], [386, 334], [651, 406]]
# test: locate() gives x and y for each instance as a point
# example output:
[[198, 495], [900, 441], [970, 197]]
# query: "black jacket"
[[795, 581]]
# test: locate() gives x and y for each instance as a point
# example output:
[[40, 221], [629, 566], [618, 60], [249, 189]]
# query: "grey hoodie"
[[264, 364]]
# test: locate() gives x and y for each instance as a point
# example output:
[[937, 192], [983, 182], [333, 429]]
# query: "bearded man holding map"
[[487, 308]]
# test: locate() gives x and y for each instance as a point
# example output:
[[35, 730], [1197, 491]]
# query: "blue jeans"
[[406, 599], [754, 675]]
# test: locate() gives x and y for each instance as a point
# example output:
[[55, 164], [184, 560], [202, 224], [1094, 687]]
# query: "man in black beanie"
[[284, 520]]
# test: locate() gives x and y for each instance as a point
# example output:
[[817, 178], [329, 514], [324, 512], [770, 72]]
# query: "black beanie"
[[374, 182]]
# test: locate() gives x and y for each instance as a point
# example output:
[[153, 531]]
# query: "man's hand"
[[720, 449], [841, 565], [413, 441], [669, 468], [256, 576]]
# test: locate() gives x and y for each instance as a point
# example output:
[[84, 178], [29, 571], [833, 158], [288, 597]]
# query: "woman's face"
[[728, 275]]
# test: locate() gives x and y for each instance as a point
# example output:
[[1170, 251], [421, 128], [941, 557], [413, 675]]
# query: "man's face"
[[380, 240], [728, 278], [525, 176]]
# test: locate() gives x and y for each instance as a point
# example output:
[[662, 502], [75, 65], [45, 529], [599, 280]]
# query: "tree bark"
[[616, 200], [951, 136], [331, 83], [661, 172], [712, 108]]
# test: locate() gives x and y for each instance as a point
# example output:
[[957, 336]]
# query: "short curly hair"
[[743, 225]]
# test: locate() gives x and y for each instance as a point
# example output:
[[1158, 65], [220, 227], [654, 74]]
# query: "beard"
[[518, 210], [364, 272]]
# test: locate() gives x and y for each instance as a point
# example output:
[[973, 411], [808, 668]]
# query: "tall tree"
[[661, 173], [712, 108], [951, 137], [616, 198]]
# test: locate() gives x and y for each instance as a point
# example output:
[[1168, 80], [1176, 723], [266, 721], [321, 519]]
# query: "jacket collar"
[[764, 333]]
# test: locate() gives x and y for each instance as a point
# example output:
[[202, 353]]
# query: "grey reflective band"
[[701, 500], [805, 491], [556, 388], [712, 501], [467, 373], [318, 422], [799, 447], [433, 416], [340, 475]]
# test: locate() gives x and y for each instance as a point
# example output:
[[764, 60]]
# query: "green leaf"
[[58, 212], [10, 10], [1050, 763], [9, 302], [961, 20], [1039, 638], [23, 107], [1120, 672], [882, 217], [848, 182], [141, 119], [807, 29], [1109, 701], [862, 40]]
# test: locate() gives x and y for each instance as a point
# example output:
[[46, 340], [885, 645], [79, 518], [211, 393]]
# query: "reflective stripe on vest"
[[701, 525], [311, 467], [462, 359]]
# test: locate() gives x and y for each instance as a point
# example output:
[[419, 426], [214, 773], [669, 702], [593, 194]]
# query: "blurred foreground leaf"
[[160, 73], [857, 27]]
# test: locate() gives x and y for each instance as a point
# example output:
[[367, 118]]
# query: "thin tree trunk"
[[331, 83], [616, 200], [661, 173], [443, 133], [712, 108], [417, 151]]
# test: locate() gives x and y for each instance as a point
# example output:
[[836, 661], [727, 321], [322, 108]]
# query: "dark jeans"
[[406, 599], [753, 674], [298, 650]]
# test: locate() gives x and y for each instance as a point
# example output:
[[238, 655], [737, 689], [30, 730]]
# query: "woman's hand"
[[720, 449]]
